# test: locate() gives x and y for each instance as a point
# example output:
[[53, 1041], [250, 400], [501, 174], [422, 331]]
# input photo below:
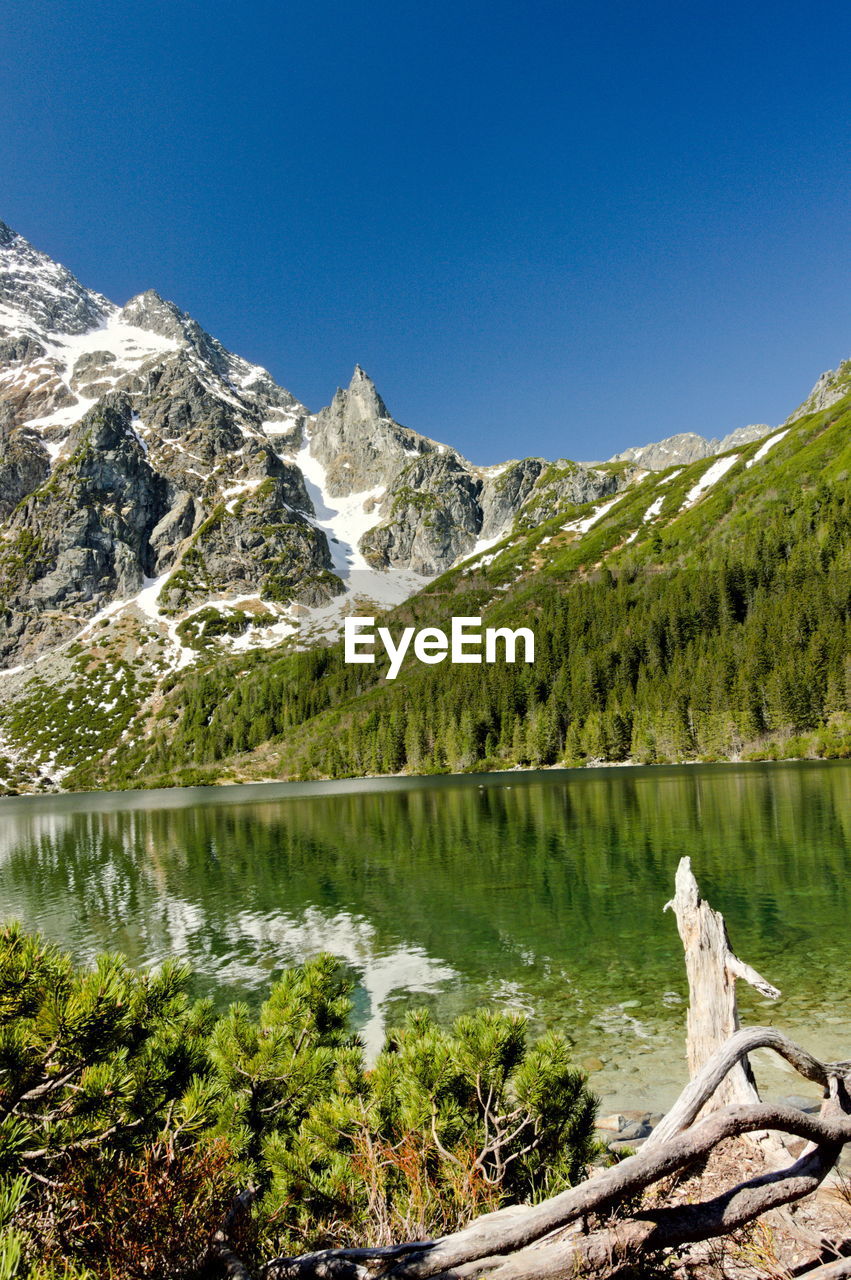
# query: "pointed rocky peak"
[[37, 292], [360, 402], [831, 387], [153, 313], [358, 441]]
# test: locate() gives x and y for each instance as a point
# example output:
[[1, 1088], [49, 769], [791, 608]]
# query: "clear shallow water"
[[535, 891]]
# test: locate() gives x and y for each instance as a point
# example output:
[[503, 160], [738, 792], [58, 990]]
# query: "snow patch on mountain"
[[343, 520], [708, 479], [582, 526], [764, 448]]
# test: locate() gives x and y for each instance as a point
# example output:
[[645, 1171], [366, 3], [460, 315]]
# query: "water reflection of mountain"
[[547, 891]]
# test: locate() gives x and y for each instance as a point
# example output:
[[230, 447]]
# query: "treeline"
[[132, 1120], [751, 652]]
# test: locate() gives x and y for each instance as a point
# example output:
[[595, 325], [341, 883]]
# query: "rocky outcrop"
[[674, 451], [31, 383], [831, 387], [359, 444], [504, 493], [432, 517], [82, 538], [257, 545], [563, 483], [39, 288], [183, 416], [24, 465]]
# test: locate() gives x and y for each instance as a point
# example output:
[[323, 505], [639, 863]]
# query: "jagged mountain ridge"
[[140, 458], [228, 487], [688, 446], [164, 502]]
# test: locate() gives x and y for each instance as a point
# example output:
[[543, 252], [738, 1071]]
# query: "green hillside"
[[663, 633]]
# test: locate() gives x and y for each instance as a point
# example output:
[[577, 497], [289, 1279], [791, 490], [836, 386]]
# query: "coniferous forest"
[[749, 656]]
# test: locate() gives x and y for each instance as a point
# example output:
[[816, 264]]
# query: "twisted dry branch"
[[549, 1239]]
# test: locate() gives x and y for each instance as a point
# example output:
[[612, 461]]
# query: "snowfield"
[[765, 446], [708, 479]]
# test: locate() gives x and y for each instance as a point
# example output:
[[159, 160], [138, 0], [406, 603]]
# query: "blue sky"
[[555, 228]]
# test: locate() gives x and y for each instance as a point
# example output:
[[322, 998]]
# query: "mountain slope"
[[704, 613], [231, 493], [168, 513]]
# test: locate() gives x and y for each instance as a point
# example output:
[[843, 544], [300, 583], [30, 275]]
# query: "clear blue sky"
[[555, 228]]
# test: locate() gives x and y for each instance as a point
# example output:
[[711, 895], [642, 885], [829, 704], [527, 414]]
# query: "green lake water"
[[542, 892]]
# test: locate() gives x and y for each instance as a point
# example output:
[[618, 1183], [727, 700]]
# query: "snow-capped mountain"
[[143, 466], [167, 510]]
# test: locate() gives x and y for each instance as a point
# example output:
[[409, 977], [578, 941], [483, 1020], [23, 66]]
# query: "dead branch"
[[707, 1081], [536, 1241], [553, 1239], [836, 1270]]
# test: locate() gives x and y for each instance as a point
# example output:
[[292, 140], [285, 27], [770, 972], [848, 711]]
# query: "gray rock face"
[[93, 372], [437, 508], [675, 451], [82, 538], [831, 387], [359, 444], [564, 483], [504, 494], [742, 436], [432, 517], [42, 290], [182, 519], [24, 465], [20, 348], [151, 312], [30, 383], [203, 444], [256, 545]]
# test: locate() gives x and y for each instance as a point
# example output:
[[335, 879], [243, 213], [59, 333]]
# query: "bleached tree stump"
[[594, 1229], [712, 968]]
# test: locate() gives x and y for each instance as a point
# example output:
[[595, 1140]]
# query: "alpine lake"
[[539, 892]]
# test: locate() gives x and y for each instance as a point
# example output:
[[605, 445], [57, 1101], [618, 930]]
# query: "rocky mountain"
[[689, 447], [697, 613], [143, 464], [165, 505]]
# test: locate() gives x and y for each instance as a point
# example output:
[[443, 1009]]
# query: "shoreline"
[[341, 786]]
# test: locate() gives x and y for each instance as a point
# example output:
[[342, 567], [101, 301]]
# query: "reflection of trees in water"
[[542, 884]]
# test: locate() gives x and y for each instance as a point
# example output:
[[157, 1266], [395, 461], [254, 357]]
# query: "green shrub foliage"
[[130, 1118]]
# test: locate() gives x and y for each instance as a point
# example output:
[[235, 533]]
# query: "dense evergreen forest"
[[748, 655]]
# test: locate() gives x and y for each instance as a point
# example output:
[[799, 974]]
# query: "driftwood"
[[712, 968], [586, 1231]]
